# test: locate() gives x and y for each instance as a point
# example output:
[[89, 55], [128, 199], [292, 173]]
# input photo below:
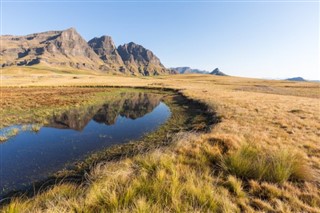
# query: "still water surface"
[[71, 136]]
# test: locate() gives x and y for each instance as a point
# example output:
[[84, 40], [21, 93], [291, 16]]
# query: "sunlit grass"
[[278, 166], [12, 132], [35, 127], [215, 172]]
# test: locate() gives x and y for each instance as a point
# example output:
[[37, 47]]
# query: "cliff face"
[[140, 60], [68, 49], [105, 48]]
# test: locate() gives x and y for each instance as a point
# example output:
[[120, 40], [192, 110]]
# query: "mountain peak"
[[140, 60], [106, 38], [216, 71], [70, 32], [105, 48], [71, 29]]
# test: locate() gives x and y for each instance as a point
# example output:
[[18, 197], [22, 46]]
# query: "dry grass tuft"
[[251, 162]]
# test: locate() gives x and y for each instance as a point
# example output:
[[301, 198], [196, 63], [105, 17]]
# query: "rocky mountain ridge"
[[67, 48], [189, 70]]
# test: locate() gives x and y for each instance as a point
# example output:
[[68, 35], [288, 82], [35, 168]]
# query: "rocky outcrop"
[[107, 51], [68, 49], [140, 60]]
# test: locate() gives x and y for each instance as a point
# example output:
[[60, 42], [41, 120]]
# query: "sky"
[[263, 39]]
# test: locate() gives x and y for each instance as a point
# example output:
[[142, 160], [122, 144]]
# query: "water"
[[71, 136]]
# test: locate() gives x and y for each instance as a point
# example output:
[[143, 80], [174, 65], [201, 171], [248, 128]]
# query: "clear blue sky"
[[254, 39]]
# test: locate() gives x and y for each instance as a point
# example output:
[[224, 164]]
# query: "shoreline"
[[174, 98]]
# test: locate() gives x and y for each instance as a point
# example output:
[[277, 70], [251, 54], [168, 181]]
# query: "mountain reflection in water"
[[75, 134], [128, 105]]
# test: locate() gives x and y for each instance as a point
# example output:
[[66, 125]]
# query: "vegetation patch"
[[188, 172], [278, 166]]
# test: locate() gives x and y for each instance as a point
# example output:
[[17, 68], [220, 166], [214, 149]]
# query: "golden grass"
[[276, 116], [250, 162]]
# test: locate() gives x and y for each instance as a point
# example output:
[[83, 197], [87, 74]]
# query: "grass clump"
[[235, 186], [3, 138], [13, 132], [35, 128], [251, 162]]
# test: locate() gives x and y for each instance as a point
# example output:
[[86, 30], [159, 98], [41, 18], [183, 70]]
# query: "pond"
[[35, 152]]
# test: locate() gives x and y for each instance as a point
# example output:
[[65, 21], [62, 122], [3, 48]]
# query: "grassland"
[[275, 124]]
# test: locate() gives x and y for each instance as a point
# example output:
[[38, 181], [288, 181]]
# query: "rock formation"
[[68, 49], [140, 60], [107, 51]]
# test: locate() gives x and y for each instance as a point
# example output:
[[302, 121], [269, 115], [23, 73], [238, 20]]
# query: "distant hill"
[[296, 79], [216, 71], [67, 48], [186, 70]]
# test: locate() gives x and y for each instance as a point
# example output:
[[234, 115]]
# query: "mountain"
[[216, 71], [60, 48], [139, 60], [296, 79], [67, 48], [188, 70], [105, 48]]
